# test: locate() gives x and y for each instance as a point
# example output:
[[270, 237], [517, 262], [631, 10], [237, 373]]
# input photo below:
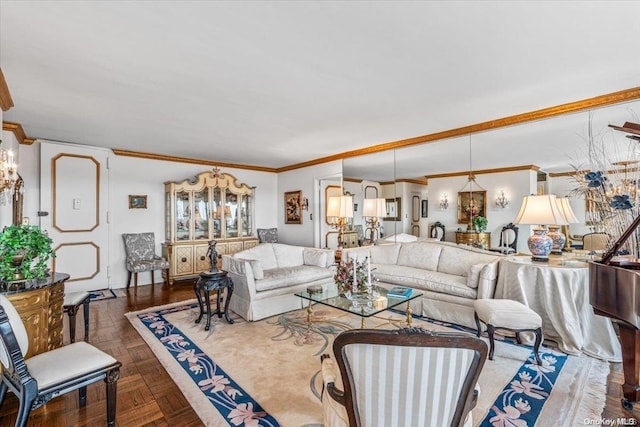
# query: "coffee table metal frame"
[[331, 297]]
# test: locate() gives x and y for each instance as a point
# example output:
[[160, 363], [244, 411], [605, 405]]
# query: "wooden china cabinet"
[[208, 206]]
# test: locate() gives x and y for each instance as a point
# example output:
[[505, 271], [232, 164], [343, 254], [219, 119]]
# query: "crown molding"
[[544, 113], [5, 97], [17, 130], [141, 155], [485, 171]]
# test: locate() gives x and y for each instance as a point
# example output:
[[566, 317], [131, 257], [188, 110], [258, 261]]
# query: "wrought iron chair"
[[379, 389], [47, 375], [140, 250], [508, 239], [437, 231]]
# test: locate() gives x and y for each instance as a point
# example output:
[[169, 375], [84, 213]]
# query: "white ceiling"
[[278, 83]]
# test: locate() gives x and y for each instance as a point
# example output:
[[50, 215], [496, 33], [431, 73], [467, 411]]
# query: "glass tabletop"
[[382, 300]]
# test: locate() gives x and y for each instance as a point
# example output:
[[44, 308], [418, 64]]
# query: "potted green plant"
[[24, 252], [480, 224]]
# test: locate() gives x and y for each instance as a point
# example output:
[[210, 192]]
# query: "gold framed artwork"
[[471, 203], [293, 207], [137, 202]]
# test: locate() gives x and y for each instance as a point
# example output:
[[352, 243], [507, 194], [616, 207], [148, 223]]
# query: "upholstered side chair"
[[140, 251], [508, 240], [404, 377], [267, 235], [595, 241], [47, 375], [437, 231]]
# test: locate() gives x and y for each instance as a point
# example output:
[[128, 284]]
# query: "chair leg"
[[478, 326], [82, 396], [112, 388], [490, 330], [536, 345], [129, 280], [72, 323], [85, 307], [153, 283], [166, 277], [29, 394], [135, 280], [3, 392]]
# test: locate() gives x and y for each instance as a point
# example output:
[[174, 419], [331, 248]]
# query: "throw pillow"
[[473, 277], [314, 257], [268, 235]]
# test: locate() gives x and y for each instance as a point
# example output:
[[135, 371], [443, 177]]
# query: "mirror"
[[556, 145], [372, 176]]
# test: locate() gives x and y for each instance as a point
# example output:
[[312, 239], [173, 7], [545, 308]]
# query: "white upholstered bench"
[[508, 315]]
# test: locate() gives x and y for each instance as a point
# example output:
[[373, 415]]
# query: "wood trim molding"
[[54, 187], [151, 156], [89, 243], [485, 171], [17, 130], [544, 113], [5, 97]]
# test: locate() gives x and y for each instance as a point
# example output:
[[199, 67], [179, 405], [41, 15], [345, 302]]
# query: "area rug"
[[266, 373], [102, 294]]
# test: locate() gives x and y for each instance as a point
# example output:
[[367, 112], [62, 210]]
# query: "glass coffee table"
[[329, 296]]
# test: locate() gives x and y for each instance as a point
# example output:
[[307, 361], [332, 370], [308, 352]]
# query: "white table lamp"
[[340, 208], [371, 211], [540, 211]]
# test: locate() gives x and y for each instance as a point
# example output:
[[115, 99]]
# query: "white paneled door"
[[74, 186]]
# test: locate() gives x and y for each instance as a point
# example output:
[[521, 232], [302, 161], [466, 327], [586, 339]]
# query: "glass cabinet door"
[[216, 209], [246, 213], [183, 215], [231, 213], [201, 215]]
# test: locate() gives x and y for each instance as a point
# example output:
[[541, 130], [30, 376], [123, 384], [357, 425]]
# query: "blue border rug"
[[102, 294], [524, 399]]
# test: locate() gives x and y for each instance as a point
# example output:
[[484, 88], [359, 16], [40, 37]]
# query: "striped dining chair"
[[403, 377]]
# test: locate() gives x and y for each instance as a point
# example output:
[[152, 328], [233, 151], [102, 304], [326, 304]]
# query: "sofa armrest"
[[241, 274], [487, 281]]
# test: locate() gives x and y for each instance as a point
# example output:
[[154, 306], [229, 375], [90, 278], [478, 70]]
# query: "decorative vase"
[[540, 245], [558, 239]]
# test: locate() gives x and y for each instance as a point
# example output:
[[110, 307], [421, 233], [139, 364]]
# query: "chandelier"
[[8, 175]]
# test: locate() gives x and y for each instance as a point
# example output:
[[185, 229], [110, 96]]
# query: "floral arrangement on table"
[[354, 276], [611, 188]]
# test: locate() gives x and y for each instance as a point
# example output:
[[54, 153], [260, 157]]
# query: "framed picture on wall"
[[471, 203], [293, 207], [425, 209], [394, 211], [137, 202]]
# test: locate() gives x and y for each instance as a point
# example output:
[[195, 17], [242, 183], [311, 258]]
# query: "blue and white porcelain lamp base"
[[540, 245], [558, 239]]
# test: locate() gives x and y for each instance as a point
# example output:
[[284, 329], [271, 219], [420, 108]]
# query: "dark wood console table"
[[214, 281], [39, 303]]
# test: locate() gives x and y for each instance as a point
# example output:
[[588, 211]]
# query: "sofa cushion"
[[422, 255], [263, 252], [288, 255], [421, 279], [458, 260], [290, 276], [474, 275], [313, 256]]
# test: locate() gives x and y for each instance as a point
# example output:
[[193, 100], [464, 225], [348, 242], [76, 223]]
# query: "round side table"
[[213, 281]]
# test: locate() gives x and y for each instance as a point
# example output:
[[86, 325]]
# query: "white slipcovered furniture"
[[450, 276], [266, 277]]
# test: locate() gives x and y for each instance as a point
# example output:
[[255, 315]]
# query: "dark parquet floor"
[[147, 396]]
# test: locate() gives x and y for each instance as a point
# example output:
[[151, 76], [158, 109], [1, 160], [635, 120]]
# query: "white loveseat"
[[450, 276], [266, 277]]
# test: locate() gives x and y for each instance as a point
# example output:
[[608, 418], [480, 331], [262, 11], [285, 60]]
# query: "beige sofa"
[[449, 276], [266, 277]]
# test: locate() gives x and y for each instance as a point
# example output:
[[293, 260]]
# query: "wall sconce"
[[501, 200], [444, 203], [304, 204]]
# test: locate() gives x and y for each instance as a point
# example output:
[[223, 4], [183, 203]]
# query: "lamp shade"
[[540, 210], [374, 208], [340, 206], [565, 209]]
